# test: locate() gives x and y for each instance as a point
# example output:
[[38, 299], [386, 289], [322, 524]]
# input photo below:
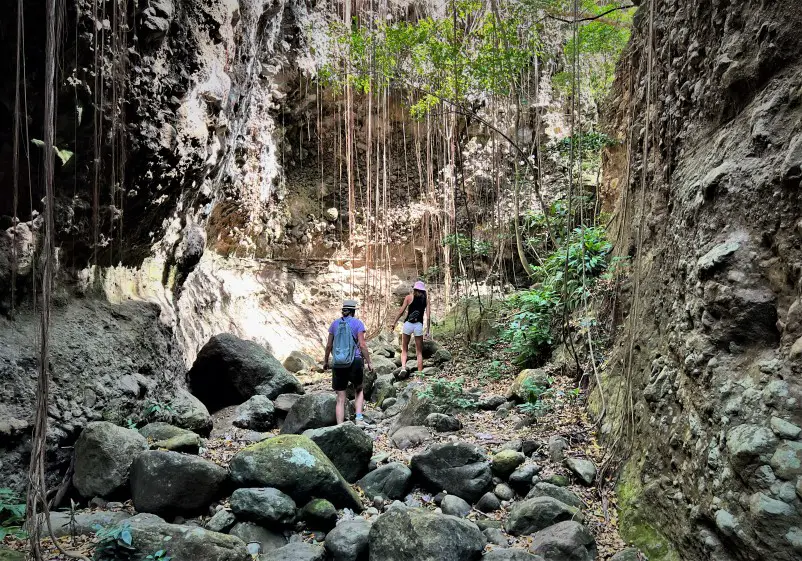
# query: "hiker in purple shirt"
[[353, 372]]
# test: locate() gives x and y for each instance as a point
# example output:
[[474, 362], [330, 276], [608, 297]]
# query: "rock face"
[[404, 533], [150, 533], [103, 456], [296, 466], [347, 446], [392, 481], [532, 515], [228, 370], [461, 469], [348, 541], [311, 411], [169, 483], [263, 505]]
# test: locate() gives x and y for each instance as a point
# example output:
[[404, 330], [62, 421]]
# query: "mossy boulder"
[[506, 462], [295, 465], [319, 514], [526, 381]]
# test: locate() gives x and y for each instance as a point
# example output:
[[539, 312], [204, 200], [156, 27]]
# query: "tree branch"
[[591, 18]]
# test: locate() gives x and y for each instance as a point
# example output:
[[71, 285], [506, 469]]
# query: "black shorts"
[[354, 374]]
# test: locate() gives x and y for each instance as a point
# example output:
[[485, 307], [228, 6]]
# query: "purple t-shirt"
[[356, 326]]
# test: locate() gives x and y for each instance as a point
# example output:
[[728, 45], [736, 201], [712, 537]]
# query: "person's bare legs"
[[419, 350], [404, 351], [340, 408], [359, 401]]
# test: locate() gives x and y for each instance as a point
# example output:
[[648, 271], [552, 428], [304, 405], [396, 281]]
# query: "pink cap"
[[420, 286]]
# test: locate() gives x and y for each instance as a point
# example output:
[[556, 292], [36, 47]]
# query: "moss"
[[634, 526]]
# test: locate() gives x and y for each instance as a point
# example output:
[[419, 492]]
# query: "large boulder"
[[151, 534], [506, 462], [392, 481], [565, 541], [255, 414], [402, 533], [409, 437], [383, 366], [348, 541], [295, 465], [297, 361], [103, 456], [458, 468], [311, 411], [263, 505], [532, 515], [347, 446], [190, 413], [296, 551], [527, 382], [228, 370], [543, 489], [583, 469], [383, 389], [413, 410], [169, 483]]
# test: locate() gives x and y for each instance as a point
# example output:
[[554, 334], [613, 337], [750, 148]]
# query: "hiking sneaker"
[[359, 418]]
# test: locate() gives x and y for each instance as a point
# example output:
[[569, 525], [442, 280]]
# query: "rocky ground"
[[448, 465]]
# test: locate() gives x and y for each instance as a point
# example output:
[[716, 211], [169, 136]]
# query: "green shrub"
[[12, 514], [445, 392]]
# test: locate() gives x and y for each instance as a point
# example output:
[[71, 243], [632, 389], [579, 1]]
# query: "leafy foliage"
[[114, 543], [447, 392], [462, 243], [12, 514]]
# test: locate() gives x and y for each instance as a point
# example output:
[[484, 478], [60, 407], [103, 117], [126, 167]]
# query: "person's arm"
[[329, 345], [363, 345], [406, 303], [428, 316]]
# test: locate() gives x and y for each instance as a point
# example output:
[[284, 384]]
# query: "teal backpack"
[[344, 345]]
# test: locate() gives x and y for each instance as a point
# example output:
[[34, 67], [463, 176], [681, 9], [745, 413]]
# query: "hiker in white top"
[[416, 305]]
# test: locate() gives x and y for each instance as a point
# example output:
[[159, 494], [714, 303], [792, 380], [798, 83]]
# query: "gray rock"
[[169, 483], [160, 431], [392, 481], [533, 515], [228, 370], [348, 541], [402, 533], [189, 443], [298, 551], [298, 361], [383, 390], [784, 429], [103, 456], [440, 356], [413, 410], [347, 446], [527, 380], [454, 506], [249, 532], [409, 437], [521, 478], [562, 494], [319, 514], [583, 469], [83, 523], [311, 411], [222, 521], [284, 402], [510, 554], [556, 479], [506, 462], [515, 445], [495, 536], [530, 447], [190, 413], [459, 468], [629, 554], [792, 165], [149, 534], [442, 423], [387, 403], [504, 492], [488, 503], [263, 505], [557, 448], [565, 541], [770, 517], [747, 444], [255, 414], [491, 402], [295, 465], [787, 460], [716, 258]]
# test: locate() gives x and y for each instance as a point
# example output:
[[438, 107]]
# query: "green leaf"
[[125, 535], [37, 142], [64, 155]]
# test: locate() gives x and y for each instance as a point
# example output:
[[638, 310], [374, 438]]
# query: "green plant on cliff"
[[12, 514]]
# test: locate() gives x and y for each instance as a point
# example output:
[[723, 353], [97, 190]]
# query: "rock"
[[770, 516], [440, 356], [459, 468], [150, 533], [387, 403], [629, 554], [296, 466], [562, 494], [558, 480], [157, 431], [565, 541], [311, 411], [298, 551], [298, 361], [515, 445], [255, 414], [249, 532], [228, 370], [331, 214], [348, 541], [392, 481], [169, 483], [792, 165], [583, 469], [442, 423], [383, 366], [495, 536], [529, 380], [319, 514], [484, 524], [263, 505], [784, 429], [454, 506], [413, 412], [504, 492], [506, 462], [716, 258], [787, 460], [83, 523], [103, 456], [747, 444], [557, 448], [488, 503], [347, 446], [190, 413], [533, 515], [383, 390], [409, 437], [8, 554], [284, 402], [510, 554], [521, 479], [222, 521], [189, 443], [530, 447], [402, 533], [491, 402]]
